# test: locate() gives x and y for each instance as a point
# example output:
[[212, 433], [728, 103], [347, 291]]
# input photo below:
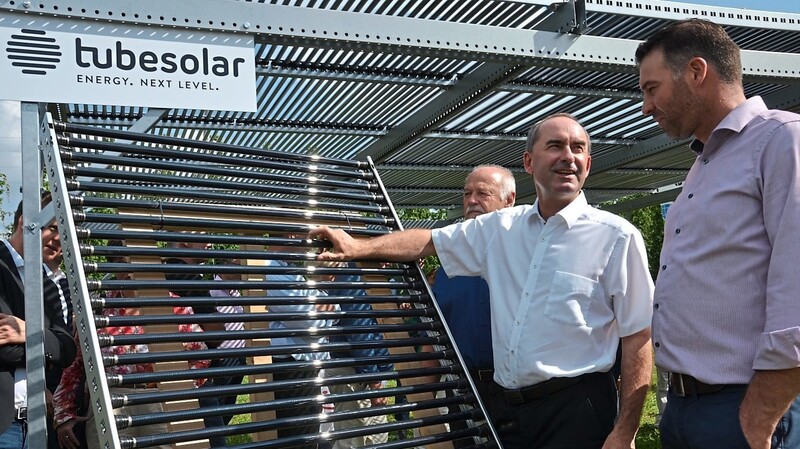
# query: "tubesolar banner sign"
[[127, 66]]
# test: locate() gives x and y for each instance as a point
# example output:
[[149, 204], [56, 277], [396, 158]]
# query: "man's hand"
[[12, 330], [343, 244], [66, 434], [768, 396]]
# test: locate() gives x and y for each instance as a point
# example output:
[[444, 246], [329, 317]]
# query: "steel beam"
[[470, 89], [644, 201], [655, 9], [349, 76], [320, 28], [33, 222]]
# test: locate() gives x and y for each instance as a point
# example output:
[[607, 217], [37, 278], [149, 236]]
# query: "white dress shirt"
[[56, 277], [20, 374], [563, 291]]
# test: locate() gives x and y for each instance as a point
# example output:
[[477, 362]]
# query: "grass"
[[240, 419], [647, 438]]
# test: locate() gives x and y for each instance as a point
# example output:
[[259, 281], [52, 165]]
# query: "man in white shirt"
[[567, 281]]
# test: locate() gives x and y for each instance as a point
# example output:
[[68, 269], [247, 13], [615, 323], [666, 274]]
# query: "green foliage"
[[5, 194], [648, 436], [421, 214], [431, 263], [650, 223]]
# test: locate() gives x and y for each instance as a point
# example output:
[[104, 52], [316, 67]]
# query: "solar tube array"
[[188, 264]]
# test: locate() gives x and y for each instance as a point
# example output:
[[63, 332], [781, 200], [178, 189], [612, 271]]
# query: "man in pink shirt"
[[726, 323]]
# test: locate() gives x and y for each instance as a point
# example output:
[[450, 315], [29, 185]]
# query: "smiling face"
[[559, 162], [668, 98], [483, 192]]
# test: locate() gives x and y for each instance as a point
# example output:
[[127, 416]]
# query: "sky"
[[11, 162]]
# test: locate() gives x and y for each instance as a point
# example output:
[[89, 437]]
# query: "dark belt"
[[483, 375], [545, 388], [686, 385], [21, 414]]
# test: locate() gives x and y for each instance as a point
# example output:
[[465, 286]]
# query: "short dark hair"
[[533, 132], [685, 39], [44, 200]]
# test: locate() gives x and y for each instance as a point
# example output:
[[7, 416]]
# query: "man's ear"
[[696, 70], [512, 197], [527, 162]]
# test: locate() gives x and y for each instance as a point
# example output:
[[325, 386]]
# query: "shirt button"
[[705, 161], [657, 344], [678, 231], [663, 267], [691, 195], [655, 306]]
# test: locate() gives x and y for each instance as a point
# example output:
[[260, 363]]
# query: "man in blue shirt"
[[464, 300], [359, 404]]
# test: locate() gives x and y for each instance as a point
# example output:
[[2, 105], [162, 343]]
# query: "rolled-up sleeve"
[[778, 169]]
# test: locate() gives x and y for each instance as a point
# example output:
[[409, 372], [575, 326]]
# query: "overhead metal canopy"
[[430, 89]]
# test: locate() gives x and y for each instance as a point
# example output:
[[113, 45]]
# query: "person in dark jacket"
[[59, 347]]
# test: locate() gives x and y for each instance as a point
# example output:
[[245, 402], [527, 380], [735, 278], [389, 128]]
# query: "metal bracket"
[[566, 17], [43, 219]]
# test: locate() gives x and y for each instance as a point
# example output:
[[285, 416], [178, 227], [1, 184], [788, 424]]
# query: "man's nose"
[[647, 107]]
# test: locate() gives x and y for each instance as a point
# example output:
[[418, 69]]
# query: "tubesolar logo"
[[33, 52]]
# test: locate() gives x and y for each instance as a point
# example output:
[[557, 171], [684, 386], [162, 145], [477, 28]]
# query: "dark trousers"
[[299, 410], [216, 421], [712, 421], [578, 417], [492, 402]]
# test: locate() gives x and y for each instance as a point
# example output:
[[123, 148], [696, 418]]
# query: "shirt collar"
[[569, 214], [18, 260], [735, 121]]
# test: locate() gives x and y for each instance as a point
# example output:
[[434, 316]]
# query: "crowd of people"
[[544, 299]]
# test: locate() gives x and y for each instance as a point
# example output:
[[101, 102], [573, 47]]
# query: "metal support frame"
[[470, 89], [277, 24], [678, 10], [33, 222], [248, 221], [87, 331]]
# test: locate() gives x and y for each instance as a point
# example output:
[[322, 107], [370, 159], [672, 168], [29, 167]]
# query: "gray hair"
[[508, 184]]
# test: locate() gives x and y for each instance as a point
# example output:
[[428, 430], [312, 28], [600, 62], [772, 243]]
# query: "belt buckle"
[[21, 414], [678, 387], [513, 397]]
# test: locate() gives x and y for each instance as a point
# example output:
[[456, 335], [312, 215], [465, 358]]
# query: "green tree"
[[431, 263], [651, 224], [5, 194]]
